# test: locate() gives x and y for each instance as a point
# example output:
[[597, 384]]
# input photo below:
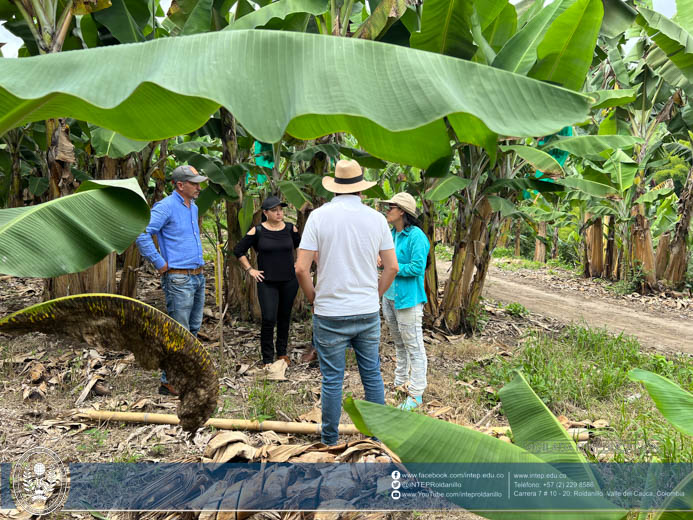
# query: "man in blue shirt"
[[179, 259]]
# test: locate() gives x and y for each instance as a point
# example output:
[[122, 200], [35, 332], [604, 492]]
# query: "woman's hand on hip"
[[258, 276]]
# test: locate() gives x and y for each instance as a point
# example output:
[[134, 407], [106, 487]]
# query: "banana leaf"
[[446, 28], [418, 439], [565, 54], [684, 14], [396, 115], [618, 16], [595, 189], [121, 323], [520, 52], [294, 194], [541, 160], [532, 421], [678, 507], [673, 39], [592, 146], [69, 234], [281, 10], [612, 98], [446, 187], [673, 401], [112, 144]]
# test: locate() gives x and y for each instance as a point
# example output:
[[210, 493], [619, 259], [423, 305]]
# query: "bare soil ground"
[[42, 413]]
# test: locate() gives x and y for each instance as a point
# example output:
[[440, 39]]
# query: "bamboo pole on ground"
[[222, 424]]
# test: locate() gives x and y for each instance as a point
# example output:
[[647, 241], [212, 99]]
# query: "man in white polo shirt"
[[348, 237]]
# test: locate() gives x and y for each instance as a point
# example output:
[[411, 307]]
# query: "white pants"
[[407, 332]]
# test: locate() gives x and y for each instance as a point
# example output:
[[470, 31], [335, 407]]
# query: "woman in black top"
[[274, 241]]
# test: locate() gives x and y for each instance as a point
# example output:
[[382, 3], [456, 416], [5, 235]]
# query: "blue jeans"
[[185, 300], [331, 336]]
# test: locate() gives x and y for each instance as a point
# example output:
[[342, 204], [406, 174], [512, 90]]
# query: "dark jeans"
[[276, 300], [185, 300]]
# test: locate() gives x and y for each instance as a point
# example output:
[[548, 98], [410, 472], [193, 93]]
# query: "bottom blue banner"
[[339, 487]]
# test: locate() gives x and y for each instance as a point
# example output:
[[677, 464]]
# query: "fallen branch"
[[222, 424]]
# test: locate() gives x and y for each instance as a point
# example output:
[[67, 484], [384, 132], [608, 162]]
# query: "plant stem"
[[64, 25], [30, 23], [347, 14], [45, 26], [334, 18]]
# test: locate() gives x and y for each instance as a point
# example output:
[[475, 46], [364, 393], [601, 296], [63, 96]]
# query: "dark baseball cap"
[[272, 202], [187, 173]]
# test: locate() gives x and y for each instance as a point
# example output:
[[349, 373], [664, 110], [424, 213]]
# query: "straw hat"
[[348, 178], [404, 201]]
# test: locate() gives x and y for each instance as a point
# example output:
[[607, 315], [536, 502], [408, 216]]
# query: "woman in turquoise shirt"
[[404, 300]]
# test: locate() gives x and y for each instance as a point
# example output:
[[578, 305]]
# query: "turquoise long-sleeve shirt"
[[411, 247]]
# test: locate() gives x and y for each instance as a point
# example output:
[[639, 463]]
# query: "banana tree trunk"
[[504, 233], [539, 245], [611, 258], [554, 243], [518, 235], [643, 252], [678, 258], [459, 310], [14, 197], [240, 291], [61, 182], [431, 277], [662, 255], [595, 248]]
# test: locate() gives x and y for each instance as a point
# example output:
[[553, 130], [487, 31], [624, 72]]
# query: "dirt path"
[[663, 332]]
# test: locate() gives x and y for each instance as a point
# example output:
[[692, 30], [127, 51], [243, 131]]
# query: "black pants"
[[276, 300]]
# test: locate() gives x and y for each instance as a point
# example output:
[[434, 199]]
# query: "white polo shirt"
[[348, 237]]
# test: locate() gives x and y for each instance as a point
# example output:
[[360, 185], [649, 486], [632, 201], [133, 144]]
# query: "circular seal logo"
[[40, 483]]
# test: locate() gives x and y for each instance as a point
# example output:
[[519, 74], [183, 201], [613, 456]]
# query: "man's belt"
[[185, 271]]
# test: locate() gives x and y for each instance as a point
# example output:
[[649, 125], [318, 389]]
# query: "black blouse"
[[275, 251]]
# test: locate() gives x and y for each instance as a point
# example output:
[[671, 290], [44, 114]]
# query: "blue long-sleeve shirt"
[[176, 229], [411, 247]]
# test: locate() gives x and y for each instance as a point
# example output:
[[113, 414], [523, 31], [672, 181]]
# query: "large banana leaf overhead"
[[121, 323], [393, 99]]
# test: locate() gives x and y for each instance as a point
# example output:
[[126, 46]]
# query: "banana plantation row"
[[498, 117]]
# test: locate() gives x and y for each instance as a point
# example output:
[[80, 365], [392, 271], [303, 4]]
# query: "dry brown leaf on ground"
[[271, 437], [232, 451], [565, 422], [282, 453], [600, 423], [315, 457], [62, 427], [37, 372], [273, 372], [358, 451], [221, 439], [314, 416], [142, 404], [87, 388], [438, 412], [34, 392]]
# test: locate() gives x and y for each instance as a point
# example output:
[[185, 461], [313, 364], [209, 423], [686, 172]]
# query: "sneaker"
[[410, 403], [285, 358], [167, 389]]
